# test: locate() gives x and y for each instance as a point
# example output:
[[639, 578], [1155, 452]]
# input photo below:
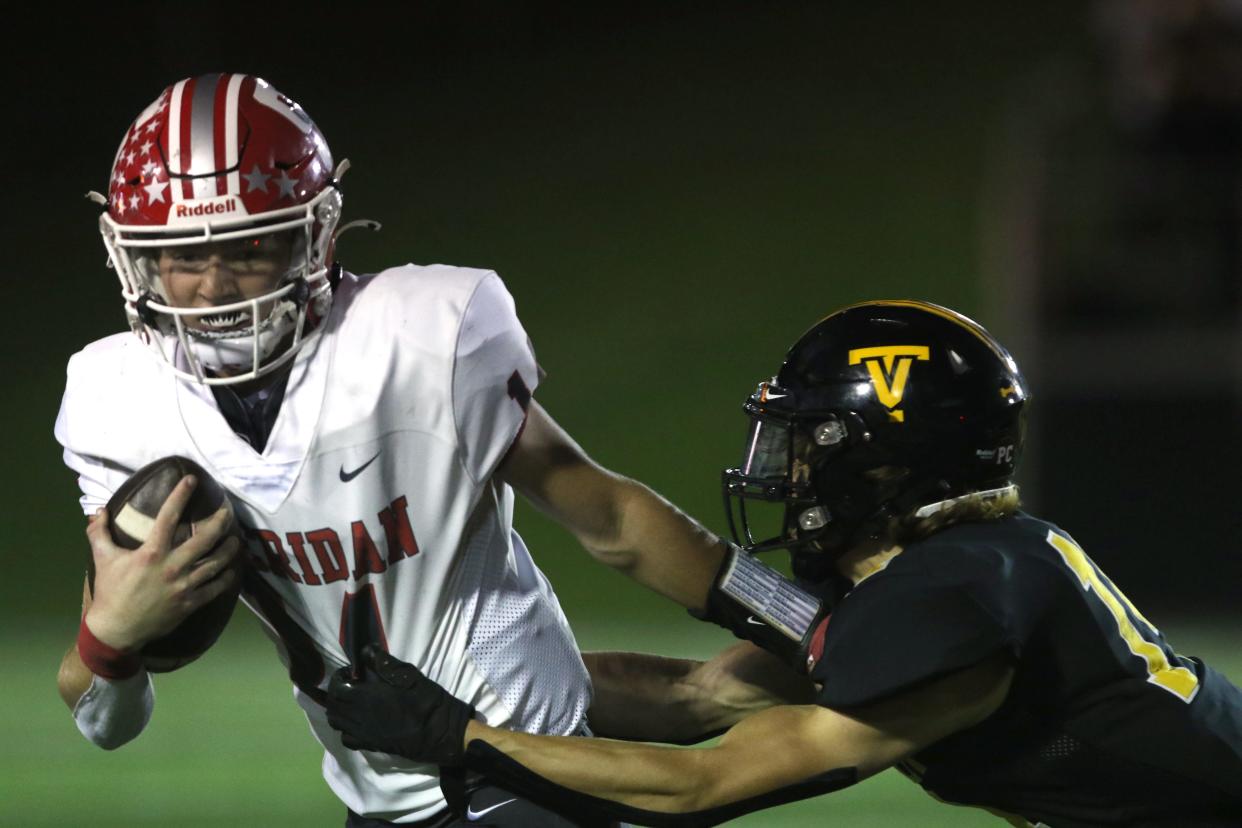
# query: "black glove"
[[395, 709]]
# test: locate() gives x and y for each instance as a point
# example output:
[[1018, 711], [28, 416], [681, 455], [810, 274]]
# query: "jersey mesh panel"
[[1059, 748], [516, 645]]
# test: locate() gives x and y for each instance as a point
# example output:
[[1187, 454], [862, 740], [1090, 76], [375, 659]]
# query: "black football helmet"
[[881, 410]]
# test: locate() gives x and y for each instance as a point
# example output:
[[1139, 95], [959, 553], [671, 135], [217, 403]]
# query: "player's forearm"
[[765, 753], [668, 780], [645, 697], [621, 522], [658, 545], [73, 679], [649, 698]]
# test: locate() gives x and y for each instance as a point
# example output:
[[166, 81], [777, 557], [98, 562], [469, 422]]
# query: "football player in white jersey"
[[370, 431]]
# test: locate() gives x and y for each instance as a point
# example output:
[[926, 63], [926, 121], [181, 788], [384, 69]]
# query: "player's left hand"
[[396, 709]]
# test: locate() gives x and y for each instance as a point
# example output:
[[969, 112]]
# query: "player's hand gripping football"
[[142, 594], [394, 708]]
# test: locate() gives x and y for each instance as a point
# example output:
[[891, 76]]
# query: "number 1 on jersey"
[[361, 625], [1180, 681]]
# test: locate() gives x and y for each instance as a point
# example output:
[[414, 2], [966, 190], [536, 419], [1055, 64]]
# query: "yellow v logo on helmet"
[[889, 367]]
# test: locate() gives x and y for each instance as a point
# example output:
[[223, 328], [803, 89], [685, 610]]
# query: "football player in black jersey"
[[973, 646]]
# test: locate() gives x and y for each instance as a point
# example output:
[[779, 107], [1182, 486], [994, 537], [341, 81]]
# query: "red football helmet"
[[215, 158]]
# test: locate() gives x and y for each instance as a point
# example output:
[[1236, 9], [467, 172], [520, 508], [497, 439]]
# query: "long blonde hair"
[[991, 504]]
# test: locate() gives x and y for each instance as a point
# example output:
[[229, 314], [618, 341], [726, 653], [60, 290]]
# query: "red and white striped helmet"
[[213, 158]]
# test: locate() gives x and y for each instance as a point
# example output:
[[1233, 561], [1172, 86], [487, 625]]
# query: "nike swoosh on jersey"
[[348, 476], [472, 814], [750, 619]]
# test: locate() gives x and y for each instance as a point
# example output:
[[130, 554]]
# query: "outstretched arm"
[[776, 755], [629, 527], [769, 751], [621, 522], [650, 698]]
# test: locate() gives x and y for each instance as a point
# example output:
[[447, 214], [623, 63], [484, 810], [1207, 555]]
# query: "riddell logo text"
[[227, 206]]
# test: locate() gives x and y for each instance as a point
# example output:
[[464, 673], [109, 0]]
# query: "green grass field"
[[228, 746]]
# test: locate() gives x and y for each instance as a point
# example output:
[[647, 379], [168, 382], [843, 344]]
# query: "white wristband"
[[112, 712], [768, 594]]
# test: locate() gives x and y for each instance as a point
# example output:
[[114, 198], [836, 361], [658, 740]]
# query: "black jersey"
[[1104, 723]]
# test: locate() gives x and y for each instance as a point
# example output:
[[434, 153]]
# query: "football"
[[131, 511]]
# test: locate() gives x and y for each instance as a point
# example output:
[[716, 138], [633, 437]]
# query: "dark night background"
[[672, 193]]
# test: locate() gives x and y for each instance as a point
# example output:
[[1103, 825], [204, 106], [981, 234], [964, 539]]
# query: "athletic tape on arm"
[[756, 603], [112, 712], [592, 810], [768, 595]]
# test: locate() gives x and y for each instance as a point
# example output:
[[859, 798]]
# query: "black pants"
[[489, 805]]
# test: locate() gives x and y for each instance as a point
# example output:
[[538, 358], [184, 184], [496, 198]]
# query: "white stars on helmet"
[[155, 191], [286, 183], [134, 201], [256, 180]]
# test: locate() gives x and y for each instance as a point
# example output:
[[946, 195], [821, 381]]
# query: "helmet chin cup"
[[267, 342]]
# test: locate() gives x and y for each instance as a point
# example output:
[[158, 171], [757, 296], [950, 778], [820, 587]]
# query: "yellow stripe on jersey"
[[1179, 681]]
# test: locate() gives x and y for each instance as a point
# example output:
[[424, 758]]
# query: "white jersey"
[[372, 511]]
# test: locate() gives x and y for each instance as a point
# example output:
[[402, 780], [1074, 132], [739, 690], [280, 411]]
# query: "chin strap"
[[334, 277], [143, 307], [588, 810], [301, 293]]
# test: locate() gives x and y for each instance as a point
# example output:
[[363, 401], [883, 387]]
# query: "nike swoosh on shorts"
[[472, 814]]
